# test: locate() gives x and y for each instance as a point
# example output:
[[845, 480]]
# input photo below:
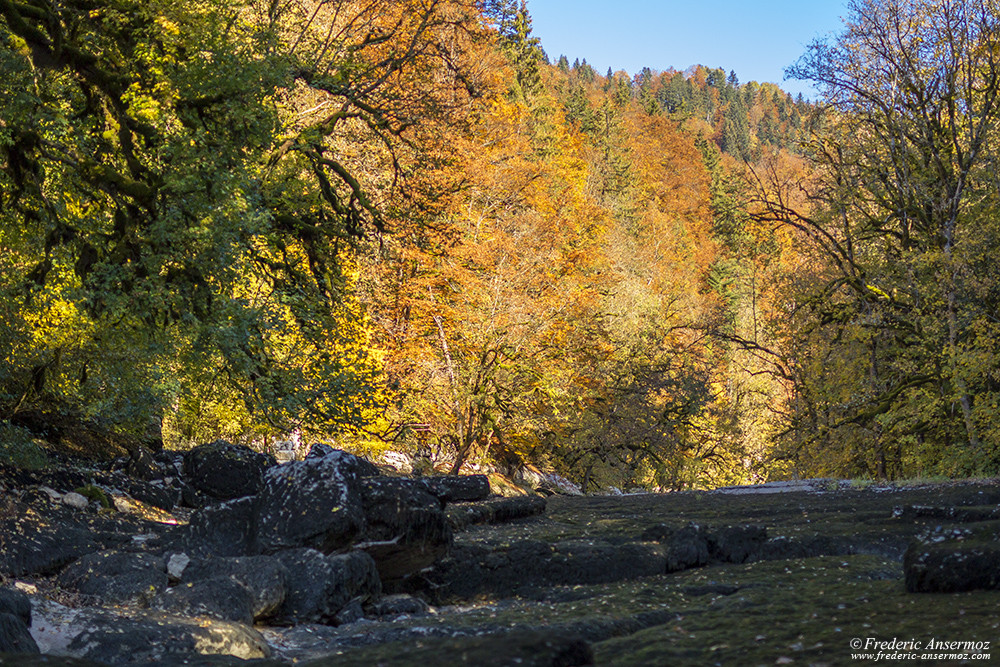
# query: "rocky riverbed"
[[330, 561]]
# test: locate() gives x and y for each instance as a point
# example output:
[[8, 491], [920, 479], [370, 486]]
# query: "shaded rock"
[[116, 576], [393, 606], [35, 660], [807, 546], [498, 510], [320, 586], [157, 493], [13, 601], [156, 638], [142, 465], [352, 613], [192, 497], [14, 635], [223, 529], [710, 589], [956, 514], [350, 464], [523, 567], [33, 543], [226, 471], [313, 503], [952, 567], [737, 544], [170, 463], [406, 528], [587, 562], [687, 548], [264, 576], [221, 597], [458, 488]]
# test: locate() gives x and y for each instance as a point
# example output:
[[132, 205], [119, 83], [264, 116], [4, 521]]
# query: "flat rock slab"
[[524, 648], [805, 485], [494, 511], [116, 576], [152, 638], [953, 567]]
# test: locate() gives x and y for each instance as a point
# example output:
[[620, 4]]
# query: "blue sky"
[[757, 40]]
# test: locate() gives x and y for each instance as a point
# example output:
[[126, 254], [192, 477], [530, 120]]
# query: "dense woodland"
[[401, 225]]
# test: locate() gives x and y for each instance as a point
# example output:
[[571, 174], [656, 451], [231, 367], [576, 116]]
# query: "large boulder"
[[116, 576], [315, 503], [264, 576], [737, 544], [687, 547], [141, 464], [321, 586], [225, 471], [15, 636], [38, 541], [406, 527], [222, 598], [13, 601], [15, 619], [155, 638], [223, 529], [349, 463]]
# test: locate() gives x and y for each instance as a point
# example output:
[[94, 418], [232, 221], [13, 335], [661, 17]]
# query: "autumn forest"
[[402, 225]]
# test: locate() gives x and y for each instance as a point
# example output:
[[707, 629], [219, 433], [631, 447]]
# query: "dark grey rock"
[[13, 601], [393, 606], [223, 529], [226, 471], [494, 511], [14, 635], [808, 546], [142, 465], [737, 544], [156, 638], [39, 541], [351, 613], [687, 548], [406, 527], [320, 586], [458, 488], [154, 493], [265, 576], [349, 464], [526, 567], [36, 660], [314, 503], [954, 566], [222, 598], [116, 576]]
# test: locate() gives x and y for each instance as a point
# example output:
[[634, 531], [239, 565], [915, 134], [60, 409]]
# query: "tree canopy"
[[397, 225]]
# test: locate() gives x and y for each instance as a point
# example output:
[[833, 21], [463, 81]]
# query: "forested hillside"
[[401, 225]]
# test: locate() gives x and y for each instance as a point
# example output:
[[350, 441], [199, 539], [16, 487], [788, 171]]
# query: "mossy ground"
[[801, 611], [805, 612]]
